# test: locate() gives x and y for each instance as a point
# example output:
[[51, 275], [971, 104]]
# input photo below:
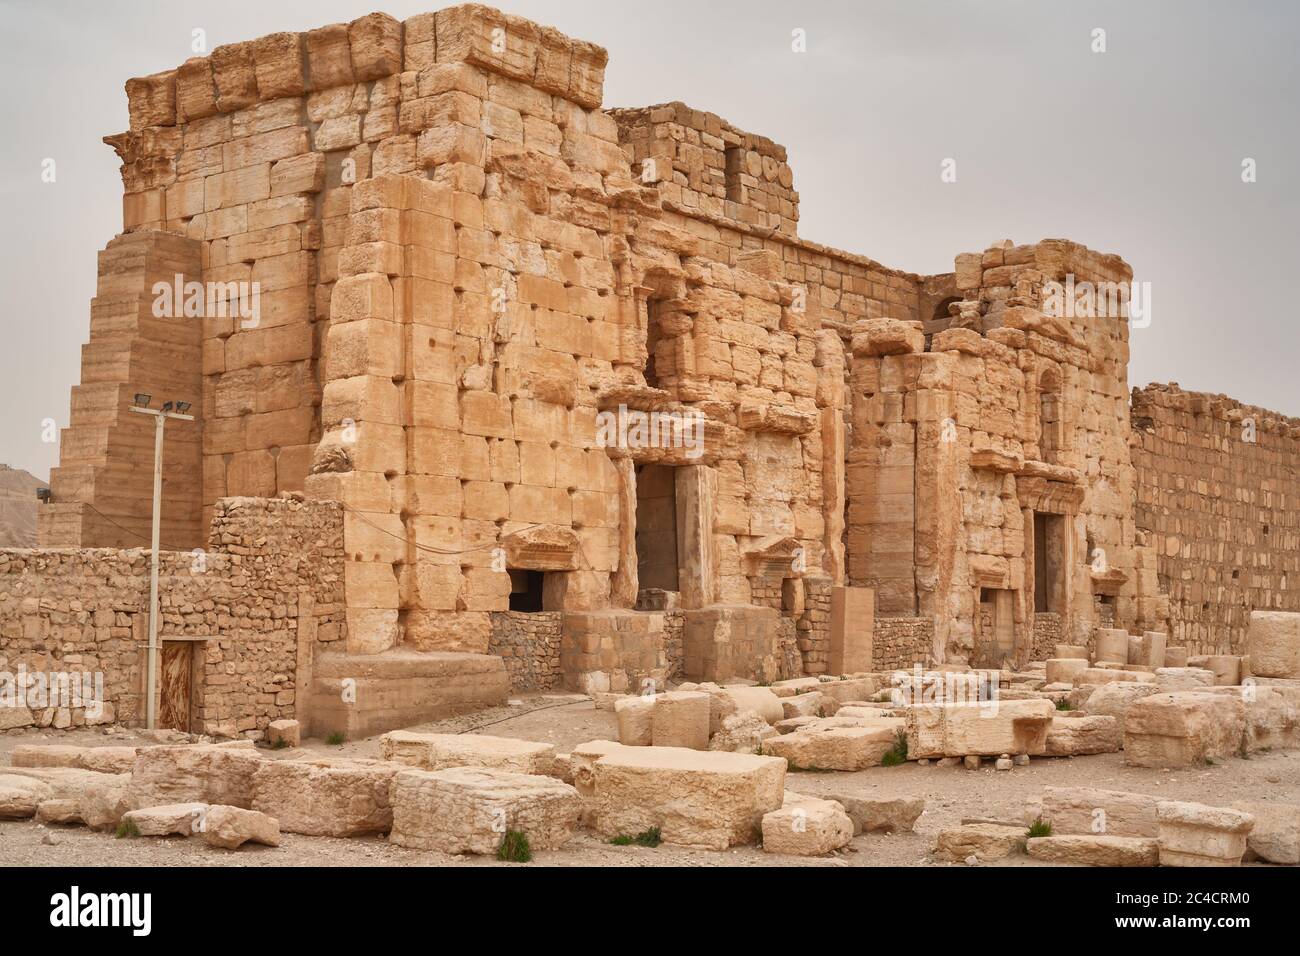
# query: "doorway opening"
[[656, 528], [1049, 562]]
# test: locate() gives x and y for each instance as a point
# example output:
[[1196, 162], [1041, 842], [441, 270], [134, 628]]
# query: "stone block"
[[217, 774], [232, 827], [335, 797], [1080, 850], [681, 719], [439, 751], [988, 728], [1064, 670], [1183, 729], [287, 733], [175, 819], [1275, 837], [635, 717], [880, 814], [1274, 644], [819, 747], [470, 809], [1087, 810], [1087, 734], [1193, 834], [984, 841], [710, 800], [806, 826]]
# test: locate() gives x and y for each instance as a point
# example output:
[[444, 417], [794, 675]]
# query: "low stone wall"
[[901, 642], [529, 643], [814, 625], [267, 590], [1047, 634]]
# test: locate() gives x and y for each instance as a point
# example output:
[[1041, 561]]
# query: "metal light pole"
[[161, 415]]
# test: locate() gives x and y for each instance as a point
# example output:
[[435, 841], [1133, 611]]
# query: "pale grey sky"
[[1136, 151]]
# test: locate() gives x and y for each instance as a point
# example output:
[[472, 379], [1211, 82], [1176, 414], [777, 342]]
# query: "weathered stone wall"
[[1218, 494], [902, 642], [963, 434], [529, 643], [265, 593], [814, 626]]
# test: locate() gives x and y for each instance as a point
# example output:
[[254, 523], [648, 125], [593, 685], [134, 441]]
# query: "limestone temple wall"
[[594, 412], [989, 477], [1218, 494], [240, 621]]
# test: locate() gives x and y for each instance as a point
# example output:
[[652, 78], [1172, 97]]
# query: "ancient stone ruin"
[[498, 390]]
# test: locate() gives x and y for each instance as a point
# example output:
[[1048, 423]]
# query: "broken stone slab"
[[1193, 834], [1272, 716], [1114, 700], [337, 797], [1175, 656], [758, 699], [175, 819], [61, 811], [795, 686], [1183, 729], [1095, 812], [1273, 643], [1070, 651], [215, 774], [440, 751], [984, 841], [11, 718], [1064, 670], [819, 747], [697, 798], [1172, 679], [1084, 734], [232, 827], [470, 809], [1112, 645], [635, 716], [806, 826], [98, 759], [1226, 668], [743, 733], [21, 795], [1107, 675], [1089, 850], [848, 690], [104, 801], [802, 705], [1275, 837], [791, 724], [681, 719], [284, 733], [985, 728], [880, 814]]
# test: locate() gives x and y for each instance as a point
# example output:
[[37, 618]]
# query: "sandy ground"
[[951, 794]]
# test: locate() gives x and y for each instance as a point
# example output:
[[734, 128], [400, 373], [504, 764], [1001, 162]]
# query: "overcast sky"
[[1137, 150]]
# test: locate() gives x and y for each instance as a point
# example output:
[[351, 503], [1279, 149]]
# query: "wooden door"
[[177, 691]]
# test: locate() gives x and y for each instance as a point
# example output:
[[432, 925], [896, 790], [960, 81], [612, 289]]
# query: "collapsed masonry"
[[594, 412]]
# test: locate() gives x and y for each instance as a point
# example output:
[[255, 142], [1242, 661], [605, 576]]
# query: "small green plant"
[[1039, 828], [648, 838], [897, 754], [335, 739], [1063, 704], [127, 828], [514, 848], [281, 744], [1209, 761]]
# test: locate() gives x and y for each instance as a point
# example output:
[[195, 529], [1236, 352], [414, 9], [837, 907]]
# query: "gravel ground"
[[951, 793]]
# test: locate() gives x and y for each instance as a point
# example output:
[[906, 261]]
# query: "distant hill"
[[18, 507]]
